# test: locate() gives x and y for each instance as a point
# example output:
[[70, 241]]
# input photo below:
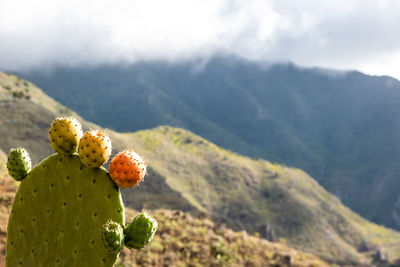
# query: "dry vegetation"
[[183, 240]]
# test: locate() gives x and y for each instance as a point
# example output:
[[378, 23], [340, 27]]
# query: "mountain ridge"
[[341, 127]]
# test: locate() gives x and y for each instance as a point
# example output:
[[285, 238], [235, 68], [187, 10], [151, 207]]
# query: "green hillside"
[[340, 127], [188, 172]]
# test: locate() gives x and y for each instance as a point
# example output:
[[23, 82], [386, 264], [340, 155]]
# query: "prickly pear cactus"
[[65, 214]]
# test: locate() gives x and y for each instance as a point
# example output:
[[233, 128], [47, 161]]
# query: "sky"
[[341, 34]]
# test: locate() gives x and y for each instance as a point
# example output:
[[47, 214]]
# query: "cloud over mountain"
[[340, 34]]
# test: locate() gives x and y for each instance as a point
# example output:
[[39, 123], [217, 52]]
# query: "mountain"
[[189, 173], [201, 243], [341, 127]]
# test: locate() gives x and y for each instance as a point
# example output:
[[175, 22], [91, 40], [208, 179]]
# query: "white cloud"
[[358, 34]]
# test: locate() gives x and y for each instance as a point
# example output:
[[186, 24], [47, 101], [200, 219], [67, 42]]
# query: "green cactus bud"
[[113, 236], [140, 231], [18, 163]]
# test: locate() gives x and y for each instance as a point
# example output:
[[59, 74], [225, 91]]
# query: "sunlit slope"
[[190, 173], [274, 200]]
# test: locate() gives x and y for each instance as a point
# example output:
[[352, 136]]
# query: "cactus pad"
[[140, 231], [18, 163], [127, 169], [58, 215], [94, 148], [64, 135]]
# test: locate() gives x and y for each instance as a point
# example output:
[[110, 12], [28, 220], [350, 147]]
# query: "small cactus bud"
[[140, 231], [113, 236], [18, 163]]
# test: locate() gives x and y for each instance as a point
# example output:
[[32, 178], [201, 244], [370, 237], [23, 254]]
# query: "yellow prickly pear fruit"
[[94, 148], [64, 135]]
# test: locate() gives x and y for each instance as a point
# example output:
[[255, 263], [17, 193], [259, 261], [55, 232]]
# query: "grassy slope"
[[190, 173]]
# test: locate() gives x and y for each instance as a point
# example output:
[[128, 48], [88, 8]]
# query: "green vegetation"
[[189, 173], [14, 88]]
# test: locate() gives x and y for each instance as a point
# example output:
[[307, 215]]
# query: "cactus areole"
[[65, 214]]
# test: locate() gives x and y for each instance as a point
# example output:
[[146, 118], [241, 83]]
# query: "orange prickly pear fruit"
[[127, 169]]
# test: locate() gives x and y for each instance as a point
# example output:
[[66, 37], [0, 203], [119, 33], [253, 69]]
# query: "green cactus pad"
[[140, 231], [18, 163], [113, 236], [58, 215]]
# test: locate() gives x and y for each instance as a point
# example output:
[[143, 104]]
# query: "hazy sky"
[[342, 34]]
